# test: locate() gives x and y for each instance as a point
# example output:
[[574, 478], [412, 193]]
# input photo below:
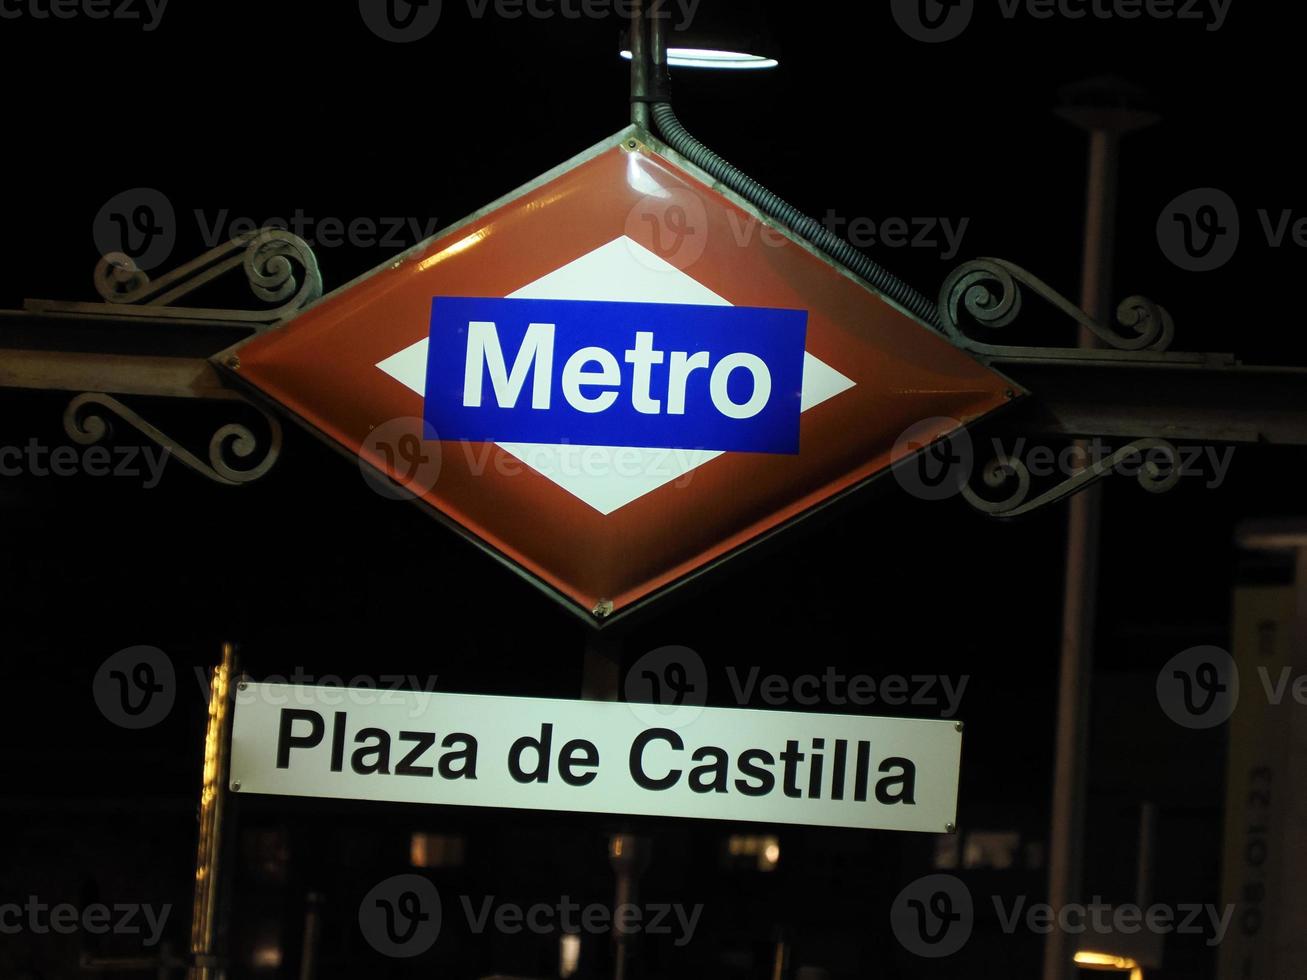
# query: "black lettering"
[[468, 754], [421, 742], [863, 772], [792, 757], [715, 770], [837, 769], [749, 766], [643, 780], [814, 775], [907, 780], [541, 747], [338, 741], [380, 749], [568, 758], [287, 740]]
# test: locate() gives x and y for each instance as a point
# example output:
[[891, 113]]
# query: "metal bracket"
[[1011, 471], [86, 427], [987, 293], [269, 258], [93, 349]]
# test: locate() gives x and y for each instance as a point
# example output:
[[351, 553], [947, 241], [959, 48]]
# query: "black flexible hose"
[[776, 208]]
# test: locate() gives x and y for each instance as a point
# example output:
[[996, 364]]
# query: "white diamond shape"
[[607, 477]]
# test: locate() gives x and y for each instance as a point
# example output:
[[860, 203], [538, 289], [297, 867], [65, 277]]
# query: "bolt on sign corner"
[[616, 376]]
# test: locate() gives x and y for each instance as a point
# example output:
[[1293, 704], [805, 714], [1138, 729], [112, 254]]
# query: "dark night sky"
[[263, 108]]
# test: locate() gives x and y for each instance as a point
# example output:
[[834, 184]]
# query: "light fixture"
[[733, 36], [711, 58], [1109, 961]]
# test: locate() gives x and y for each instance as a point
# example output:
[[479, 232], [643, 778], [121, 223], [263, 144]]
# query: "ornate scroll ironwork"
[[1012, 473], [279, 266], [988, 291], [86, 425]]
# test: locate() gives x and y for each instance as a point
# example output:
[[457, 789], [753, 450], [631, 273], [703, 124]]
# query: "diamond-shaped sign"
[[606, 527]]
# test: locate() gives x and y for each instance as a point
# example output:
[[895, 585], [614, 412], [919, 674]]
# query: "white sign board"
[[597, 757]]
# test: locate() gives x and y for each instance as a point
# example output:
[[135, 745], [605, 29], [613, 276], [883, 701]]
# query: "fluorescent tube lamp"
[[708, 58]]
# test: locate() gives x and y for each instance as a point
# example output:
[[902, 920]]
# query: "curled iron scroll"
[[1011, 475], [279, 267], [85, 423], [988, 293]]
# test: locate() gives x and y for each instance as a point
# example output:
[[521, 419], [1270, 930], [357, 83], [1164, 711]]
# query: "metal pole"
[[205, 961], [640, 64], [1080, 593], [1145, 862], [628, 854]]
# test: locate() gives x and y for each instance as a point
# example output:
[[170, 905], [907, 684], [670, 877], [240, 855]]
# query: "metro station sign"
[[617, 376]]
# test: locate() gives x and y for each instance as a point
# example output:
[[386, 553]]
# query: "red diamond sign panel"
[[606, 527]]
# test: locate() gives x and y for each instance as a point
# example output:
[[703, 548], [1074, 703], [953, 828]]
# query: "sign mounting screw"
[[236, 786], [949, 828], [603, 609]]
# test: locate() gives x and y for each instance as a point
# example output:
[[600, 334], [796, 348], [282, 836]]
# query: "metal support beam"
[[1160, 398]]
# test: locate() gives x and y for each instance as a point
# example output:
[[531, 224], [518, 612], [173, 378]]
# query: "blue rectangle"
[[649, 375]]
